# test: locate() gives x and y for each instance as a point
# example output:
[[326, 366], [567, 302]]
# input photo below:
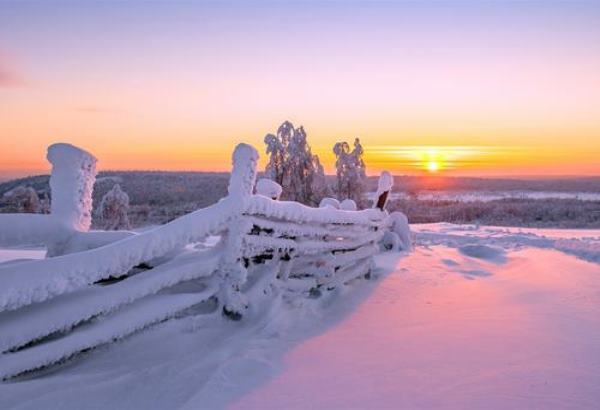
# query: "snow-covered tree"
[[277, 147], [350, 172], [113, 209], [23, 199], [293, 165], [319, 186]]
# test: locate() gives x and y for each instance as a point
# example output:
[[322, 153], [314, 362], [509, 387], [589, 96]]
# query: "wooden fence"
[[98, 286]]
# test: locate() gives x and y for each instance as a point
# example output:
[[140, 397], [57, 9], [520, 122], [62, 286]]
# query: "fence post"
[[71, 185], [384, 187], [232, 270]]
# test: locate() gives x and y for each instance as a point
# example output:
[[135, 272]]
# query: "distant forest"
[[157, 197]]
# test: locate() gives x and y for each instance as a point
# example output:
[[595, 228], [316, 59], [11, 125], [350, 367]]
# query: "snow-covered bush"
[[331, 202], [23, 199], [268, 188], [293, 166], [391, 241], [399, 226], [350, 172], [113, 209], [348, 205]]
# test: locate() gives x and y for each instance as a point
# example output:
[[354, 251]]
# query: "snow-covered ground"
[[14, 255], [473, 317], [486, 196]]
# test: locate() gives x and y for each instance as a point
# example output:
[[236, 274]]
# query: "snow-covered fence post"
[[384, 186], [233, 272], [71, 184]]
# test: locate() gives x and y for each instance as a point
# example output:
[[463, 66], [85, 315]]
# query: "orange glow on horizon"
[[407, 160], [452, 91]]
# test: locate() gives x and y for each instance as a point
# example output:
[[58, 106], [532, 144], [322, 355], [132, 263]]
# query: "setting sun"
[[432, 166]]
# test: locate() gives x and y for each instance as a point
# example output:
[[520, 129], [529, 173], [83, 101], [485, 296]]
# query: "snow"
[[29, 229], [348, 205], [243, 173], [399, 226], [455, 316], [301, 213], [485, 252], [584, 244], [330, 202], [268, 188], [42, 319], [487, 196], [116, 326], [474, 317], [384, 184], [9, 256], [72, 182], [524, 336], [37, 281]]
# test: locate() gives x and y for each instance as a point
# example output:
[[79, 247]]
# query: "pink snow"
[[436, 334], [472, 318]]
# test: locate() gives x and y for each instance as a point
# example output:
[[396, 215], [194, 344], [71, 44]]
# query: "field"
[[474, 317]]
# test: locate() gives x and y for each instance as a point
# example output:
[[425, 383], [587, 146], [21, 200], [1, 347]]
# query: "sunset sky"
[[459, 88]]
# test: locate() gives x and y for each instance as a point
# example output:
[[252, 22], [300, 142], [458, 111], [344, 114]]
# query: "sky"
[[456, 88]]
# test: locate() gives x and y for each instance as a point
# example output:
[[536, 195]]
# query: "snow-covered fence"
[[64, 229], [271, 244]]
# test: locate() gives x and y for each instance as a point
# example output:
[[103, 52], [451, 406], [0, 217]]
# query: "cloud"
[[9, 76]]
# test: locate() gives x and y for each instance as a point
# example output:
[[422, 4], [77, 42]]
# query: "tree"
[[113, 209], [293, 165], [319, 186], [350, 172], [23, 199], [277, 147]]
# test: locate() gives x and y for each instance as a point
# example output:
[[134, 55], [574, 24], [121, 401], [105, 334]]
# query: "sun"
[[433, 166]]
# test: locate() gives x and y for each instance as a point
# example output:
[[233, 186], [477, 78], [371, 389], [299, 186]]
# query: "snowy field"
[[474, 317], [487, 196]]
